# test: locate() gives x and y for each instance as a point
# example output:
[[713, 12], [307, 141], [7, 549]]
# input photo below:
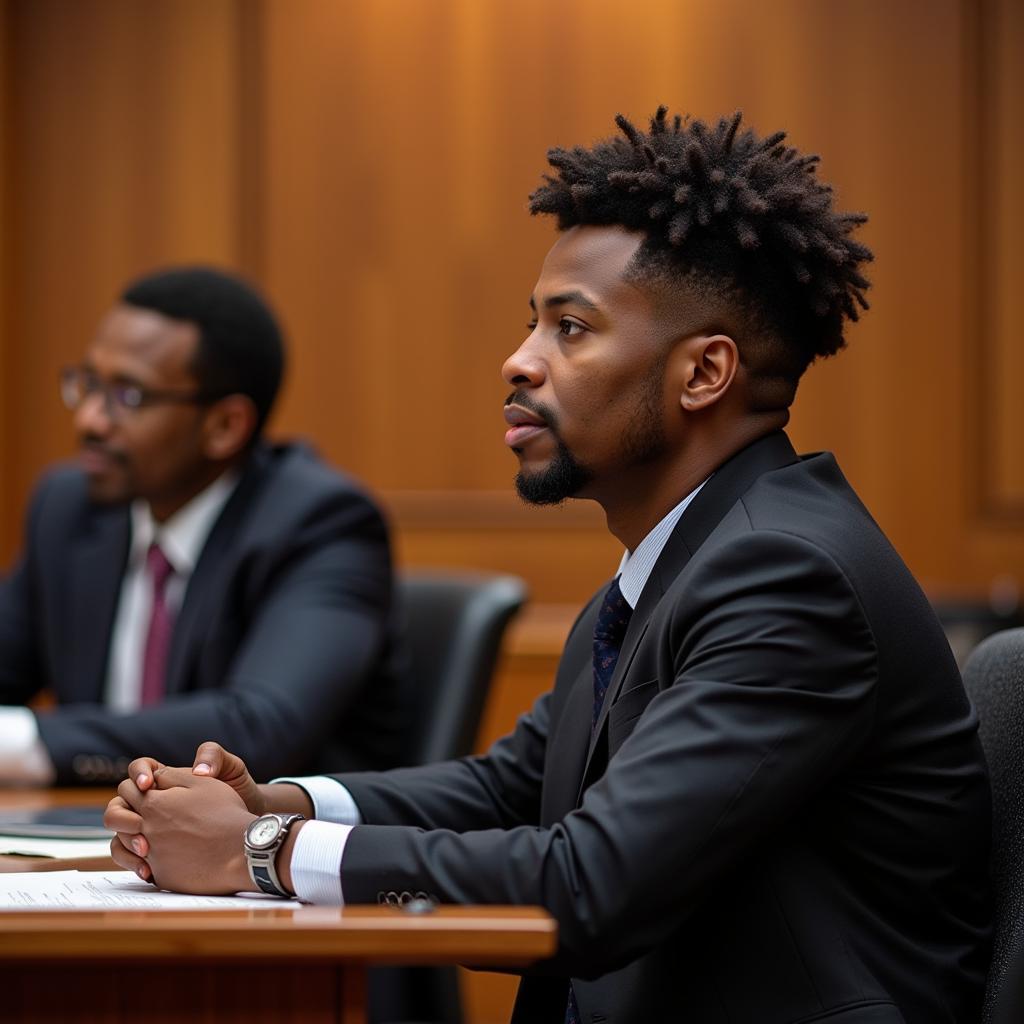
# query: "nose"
[[92, 417], [525, 367]]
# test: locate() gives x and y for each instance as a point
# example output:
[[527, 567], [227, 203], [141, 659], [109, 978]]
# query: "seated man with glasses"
[[187, 579]]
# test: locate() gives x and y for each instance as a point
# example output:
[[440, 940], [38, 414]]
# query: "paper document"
[[112, 890], [29, 847]]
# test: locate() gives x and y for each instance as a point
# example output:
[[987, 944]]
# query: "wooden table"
[[260, 966]]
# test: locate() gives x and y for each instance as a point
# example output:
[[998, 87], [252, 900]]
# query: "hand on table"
[[181, 830]]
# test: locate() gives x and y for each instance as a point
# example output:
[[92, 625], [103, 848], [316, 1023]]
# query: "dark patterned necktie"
[[609, 632]]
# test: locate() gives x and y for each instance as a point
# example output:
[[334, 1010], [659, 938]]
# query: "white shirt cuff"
[[331, 800], [316, 862], [24, 759]]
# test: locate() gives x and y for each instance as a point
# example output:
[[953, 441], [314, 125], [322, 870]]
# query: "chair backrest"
[[454, 623], [967, 623], [994, 677]]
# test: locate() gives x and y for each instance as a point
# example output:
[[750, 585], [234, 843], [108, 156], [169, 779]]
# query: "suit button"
[[392, 898], [88, 766], [381, 898], [405, 897]]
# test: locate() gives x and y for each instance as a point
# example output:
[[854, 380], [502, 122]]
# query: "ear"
[[708, 367], [228, 427]]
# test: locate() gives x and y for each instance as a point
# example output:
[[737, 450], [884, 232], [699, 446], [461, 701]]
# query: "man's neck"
[[163, 509], [642, 497]]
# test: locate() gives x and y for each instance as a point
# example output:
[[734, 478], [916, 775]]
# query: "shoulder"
[[799, 545], [811, 496], [797, 538], [61, 514], [806, 509], [61, 496], [293, 485], [810, 507]]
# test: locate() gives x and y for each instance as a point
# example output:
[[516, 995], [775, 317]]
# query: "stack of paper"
[[29, 846], [111, 890]]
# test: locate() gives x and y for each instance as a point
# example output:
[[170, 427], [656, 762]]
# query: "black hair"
[[240, 348], [737, 223]]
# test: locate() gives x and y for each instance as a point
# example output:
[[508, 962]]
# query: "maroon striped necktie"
[[161, 623]]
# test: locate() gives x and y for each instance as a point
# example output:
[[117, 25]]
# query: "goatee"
[[562, 478]]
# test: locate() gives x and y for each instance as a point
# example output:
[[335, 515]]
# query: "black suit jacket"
[[282, 645], [784, 816]]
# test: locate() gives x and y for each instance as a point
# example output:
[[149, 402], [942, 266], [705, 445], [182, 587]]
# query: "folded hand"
[[182, 831]]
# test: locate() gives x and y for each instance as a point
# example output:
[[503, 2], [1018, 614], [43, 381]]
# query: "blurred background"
[[367, 163]]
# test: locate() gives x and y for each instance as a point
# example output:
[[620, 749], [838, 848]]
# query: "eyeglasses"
[[77, 384]]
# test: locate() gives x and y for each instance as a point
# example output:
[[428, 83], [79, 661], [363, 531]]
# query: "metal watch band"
[[262, 864]]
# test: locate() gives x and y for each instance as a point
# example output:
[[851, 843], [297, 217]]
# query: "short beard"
[[645, 442], [563, 478]]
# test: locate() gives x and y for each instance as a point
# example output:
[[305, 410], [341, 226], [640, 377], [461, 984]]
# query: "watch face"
[[263, 831]]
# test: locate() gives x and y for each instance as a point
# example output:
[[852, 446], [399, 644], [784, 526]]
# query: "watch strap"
[[262, 864]]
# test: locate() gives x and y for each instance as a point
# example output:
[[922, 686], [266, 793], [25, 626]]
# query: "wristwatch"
[[263, 838]]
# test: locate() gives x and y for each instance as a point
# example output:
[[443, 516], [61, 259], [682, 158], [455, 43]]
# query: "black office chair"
[[454, 623], [967, 623], [994, 677]]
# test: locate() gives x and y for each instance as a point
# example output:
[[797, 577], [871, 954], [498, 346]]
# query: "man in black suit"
[[755, 793], [186, 578]]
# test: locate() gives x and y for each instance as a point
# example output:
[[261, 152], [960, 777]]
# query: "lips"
[[523, 425], [95, 460]]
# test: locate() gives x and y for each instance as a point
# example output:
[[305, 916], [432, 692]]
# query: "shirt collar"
[[636, 565], [181, 538]]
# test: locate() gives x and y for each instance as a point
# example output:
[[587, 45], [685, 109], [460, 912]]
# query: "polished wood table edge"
[[489, 936], [12, 863]]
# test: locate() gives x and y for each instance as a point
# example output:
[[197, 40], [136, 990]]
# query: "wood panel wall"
[[368, 162]]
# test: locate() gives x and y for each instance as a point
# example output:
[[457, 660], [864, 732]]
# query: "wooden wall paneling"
[[5, 250], [891, 405], [990, 535], [397, 244], [369, 162], [123, 119], [997, 199], [376, 250], [564, 553]]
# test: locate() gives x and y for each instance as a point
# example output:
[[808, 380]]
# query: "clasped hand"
[[181, 828]]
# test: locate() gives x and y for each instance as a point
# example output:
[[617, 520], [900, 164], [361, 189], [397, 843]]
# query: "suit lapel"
[[728, 484], [208, 580], [97, 560]]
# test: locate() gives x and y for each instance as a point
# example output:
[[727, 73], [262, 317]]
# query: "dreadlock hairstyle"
[[737, 225]]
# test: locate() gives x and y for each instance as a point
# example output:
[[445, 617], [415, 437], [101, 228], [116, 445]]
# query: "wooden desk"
[[32, 799], [261, 966], [41, 799]]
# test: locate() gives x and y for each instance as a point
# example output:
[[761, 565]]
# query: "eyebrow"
[[118, 378], [573, 298]]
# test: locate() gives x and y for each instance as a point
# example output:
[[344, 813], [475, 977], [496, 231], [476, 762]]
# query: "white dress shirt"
[[24, 759], [320, 844]]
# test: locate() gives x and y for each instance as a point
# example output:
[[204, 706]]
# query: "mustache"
[[539, 409], [91, 443]]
